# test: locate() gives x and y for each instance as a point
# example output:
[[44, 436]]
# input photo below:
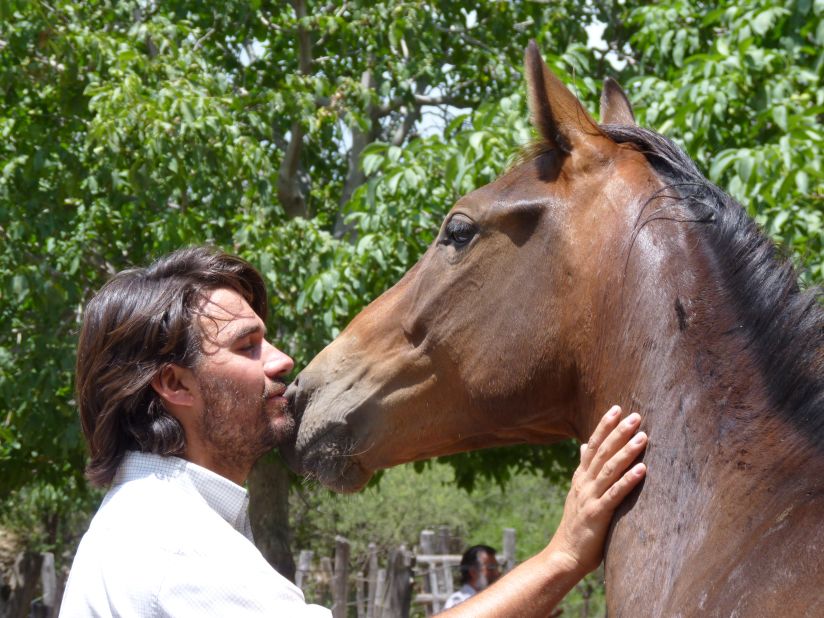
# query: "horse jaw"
[[356, 416]]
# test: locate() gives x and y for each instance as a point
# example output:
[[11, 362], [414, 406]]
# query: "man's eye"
[[250, 346], [459, 231]]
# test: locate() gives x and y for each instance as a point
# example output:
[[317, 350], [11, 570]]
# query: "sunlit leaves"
[[743, 94], [129, 129]]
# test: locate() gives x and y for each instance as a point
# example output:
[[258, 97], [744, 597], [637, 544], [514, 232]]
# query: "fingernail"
[[614, 411], [639, 438], [639, 470], [632, 419]]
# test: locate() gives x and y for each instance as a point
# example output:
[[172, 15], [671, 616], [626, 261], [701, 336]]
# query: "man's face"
[[487, 572], [242, 411]]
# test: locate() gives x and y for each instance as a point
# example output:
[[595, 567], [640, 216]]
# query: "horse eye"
[[459, 231]]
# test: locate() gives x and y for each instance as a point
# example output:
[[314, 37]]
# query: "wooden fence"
[[425, 577], [32, 589]]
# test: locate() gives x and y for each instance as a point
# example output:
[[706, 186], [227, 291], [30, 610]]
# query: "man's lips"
[[275, 391]]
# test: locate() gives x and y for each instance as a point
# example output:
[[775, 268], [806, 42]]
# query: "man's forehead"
[[224, 309]]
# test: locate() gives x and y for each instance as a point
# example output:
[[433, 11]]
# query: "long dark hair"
[[140, 321]]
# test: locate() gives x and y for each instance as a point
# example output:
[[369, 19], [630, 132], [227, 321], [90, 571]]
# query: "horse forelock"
[[784, 325]]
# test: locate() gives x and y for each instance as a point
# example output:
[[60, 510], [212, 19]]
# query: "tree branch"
[[291, 192], [453, 30], [419, 99]]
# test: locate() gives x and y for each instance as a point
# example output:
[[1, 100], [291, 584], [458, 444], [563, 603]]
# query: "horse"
[[603, 268]]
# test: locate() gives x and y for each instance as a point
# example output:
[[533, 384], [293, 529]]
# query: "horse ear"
[[556, 113], [615, 106]]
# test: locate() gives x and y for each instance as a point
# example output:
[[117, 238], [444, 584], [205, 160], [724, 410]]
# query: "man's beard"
[[237, 425]]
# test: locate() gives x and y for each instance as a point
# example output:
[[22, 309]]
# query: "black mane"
[[785, 325]]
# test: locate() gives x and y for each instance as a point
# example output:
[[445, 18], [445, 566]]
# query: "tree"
[[739, 86], [324, 142], [133, 128]]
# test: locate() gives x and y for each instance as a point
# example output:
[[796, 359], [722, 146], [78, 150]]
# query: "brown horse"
[[604, 268]]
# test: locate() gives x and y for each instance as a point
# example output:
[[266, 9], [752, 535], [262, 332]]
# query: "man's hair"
[[140, 321], [471, 559]]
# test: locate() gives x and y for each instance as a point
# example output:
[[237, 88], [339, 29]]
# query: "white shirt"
[[459, 596], [173, 539]]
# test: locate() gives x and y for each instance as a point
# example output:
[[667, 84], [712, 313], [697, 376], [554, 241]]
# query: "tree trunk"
[[292, 180], [269, 513], [16, 595]]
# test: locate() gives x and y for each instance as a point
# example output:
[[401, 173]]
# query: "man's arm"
[[598, 486]]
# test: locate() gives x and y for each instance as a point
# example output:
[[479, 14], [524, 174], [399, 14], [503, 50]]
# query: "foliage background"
[[324, 142]]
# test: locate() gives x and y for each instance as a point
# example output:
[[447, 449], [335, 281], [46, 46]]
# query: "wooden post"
[[443, 540], [372, 583], [446, 584], [48, 581], [380, 594], [304, 566], [431, 579], [399, 584], [509, 549], [24, 577], [360, 597], [341, 578]]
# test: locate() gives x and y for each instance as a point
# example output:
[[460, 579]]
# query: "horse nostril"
[[298, 394]]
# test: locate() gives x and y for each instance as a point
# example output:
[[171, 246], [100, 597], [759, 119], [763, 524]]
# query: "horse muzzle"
[[323, 448]]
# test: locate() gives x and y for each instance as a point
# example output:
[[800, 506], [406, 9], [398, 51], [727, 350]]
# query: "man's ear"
[[175, 385]]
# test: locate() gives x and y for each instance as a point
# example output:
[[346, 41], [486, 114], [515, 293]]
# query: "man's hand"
[[598, 486], [600, 483]]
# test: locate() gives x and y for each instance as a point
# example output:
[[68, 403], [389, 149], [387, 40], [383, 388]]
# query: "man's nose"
[[275, 362]]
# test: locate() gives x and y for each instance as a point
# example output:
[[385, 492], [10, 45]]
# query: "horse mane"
[[784, 326]]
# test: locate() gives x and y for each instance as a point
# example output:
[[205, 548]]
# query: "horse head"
[[483, 342], [602, 268]]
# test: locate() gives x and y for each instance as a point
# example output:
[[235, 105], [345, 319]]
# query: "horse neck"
[[722, 465]]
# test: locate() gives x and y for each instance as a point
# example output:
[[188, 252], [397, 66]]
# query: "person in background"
[[479, 569]]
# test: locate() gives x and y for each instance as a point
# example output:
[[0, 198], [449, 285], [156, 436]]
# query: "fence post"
[[431, 581], [380, 594], [399, 584], [340, 578], [48, 580], [360, 597], [372, 582], [445, 572], [304, 566], [509, 549], [21, 587]]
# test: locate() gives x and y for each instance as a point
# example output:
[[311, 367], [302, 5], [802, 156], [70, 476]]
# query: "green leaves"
[[127, 132], [747, 111]]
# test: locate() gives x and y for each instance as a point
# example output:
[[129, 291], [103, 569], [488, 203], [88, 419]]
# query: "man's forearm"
[[598, 486]]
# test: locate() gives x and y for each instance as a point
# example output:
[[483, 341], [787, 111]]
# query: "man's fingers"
[[605, 426], [613, 443], [619, 490], [612, 469]]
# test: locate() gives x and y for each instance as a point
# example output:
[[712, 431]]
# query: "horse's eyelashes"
[[459, 231]]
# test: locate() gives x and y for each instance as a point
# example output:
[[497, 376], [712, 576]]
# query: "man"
[[479, 569], [179, 393]]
